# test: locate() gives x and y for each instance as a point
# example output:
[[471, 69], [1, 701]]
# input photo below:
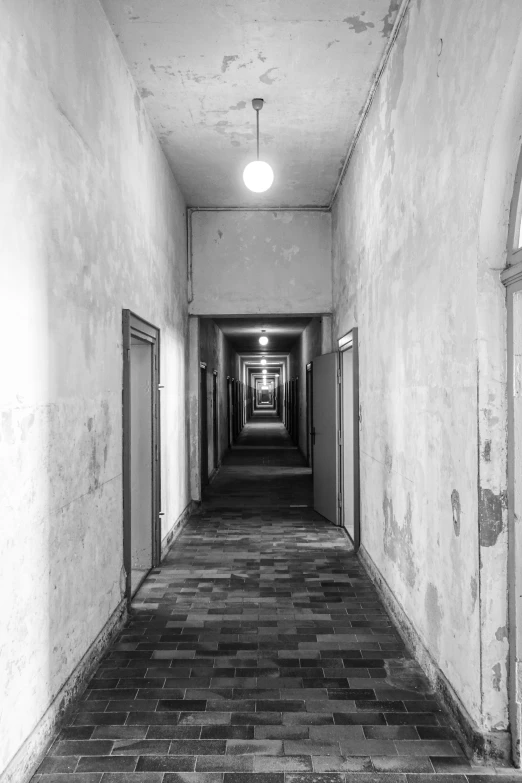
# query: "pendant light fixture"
[[258, 175]]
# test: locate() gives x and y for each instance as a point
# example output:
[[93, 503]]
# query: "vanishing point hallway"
[[259, 646]]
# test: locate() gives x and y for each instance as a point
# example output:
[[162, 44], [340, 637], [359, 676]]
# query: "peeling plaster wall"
[[198, 64], [216, 351], [413, 269], [305, 350], [261, 262], [91, 222]]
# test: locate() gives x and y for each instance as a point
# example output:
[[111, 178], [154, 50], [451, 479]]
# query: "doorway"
[[215, 426], [230, 411], [325, 436], [309, 415], [349, 442], [295, 410], [141, 451], [203, 425]]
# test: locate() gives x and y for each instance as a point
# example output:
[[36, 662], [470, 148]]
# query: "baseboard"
[[482, 747], [177, 528], [27, 759]]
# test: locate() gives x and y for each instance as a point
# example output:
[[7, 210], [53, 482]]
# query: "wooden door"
[[325, 435]]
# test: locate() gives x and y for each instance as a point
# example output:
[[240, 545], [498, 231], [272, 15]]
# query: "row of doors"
[[332, 438], [235, 417], [335, 436]]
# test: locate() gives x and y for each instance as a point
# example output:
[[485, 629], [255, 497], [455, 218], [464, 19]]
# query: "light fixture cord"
[[257, 117]]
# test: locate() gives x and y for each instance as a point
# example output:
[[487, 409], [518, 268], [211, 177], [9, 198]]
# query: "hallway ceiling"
[[244, 333], [198, 65]]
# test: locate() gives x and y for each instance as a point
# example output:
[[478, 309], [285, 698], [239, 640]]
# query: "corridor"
[[259, 646]]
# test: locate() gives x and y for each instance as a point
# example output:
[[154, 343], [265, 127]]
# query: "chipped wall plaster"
[[92, 222], [411, 271], [199, 88], [244, 263]]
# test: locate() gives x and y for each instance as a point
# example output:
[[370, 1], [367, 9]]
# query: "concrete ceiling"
[[244, 333], [199, 63]]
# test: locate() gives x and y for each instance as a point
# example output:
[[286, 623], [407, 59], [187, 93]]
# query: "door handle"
[[313, 436]]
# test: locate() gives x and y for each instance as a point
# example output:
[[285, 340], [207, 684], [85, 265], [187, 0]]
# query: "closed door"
[[309, 418], [349, 447], [230, 412], [215, 432], [203, 425], [141, 454], [325, 435], [296, 411]]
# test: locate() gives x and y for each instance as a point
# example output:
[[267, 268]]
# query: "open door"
[[325, 435], [349, 446], [309, 417], [141, 450], [203, 425]]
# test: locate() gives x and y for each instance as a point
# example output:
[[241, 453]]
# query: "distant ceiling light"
[[263, 340], [263, 361], [264, 372], [258, 175]]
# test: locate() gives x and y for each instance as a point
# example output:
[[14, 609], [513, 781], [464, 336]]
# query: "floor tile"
[[258, 652]]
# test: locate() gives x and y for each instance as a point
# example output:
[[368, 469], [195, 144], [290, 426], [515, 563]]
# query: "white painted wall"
[[91, 222], [261, 262], [418, 245]]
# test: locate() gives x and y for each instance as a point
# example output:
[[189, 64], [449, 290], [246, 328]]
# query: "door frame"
[[215, 418], [134, 326], [203, 428], [350, 342], [512, 279], [230, 412], [309, 414], [326, 398], [296, 411]]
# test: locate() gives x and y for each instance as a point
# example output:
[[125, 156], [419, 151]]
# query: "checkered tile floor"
[[259, 653]]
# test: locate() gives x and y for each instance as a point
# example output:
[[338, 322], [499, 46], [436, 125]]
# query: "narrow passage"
[[259, 646]]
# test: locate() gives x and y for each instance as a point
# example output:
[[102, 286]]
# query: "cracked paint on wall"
[[455, 507], [432, 393], [398, 541], [389, 20], [491, 516], [241, 44], [266, 77], [357, 24], [236, 271], [227, 62], [95, 224]]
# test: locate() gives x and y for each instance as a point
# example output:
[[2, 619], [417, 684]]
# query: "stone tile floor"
[[259, 653]]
